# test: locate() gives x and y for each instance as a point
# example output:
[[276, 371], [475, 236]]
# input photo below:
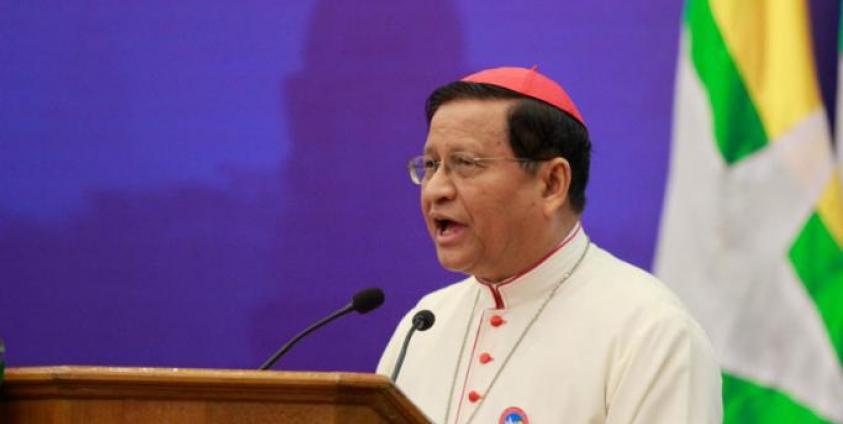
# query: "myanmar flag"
[[752, 228]]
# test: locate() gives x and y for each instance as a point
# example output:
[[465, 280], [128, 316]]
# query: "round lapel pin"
[[513, 415]]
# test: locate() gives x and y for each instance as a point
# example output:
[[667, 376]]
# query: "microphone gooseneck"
[[362, 302], [422, 321]]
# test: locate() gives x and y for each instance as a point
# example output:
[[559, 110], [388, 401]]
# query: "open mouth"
[[442, 225]]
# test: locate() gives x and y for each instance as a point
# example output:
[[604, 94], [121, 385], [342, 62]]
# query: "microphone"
[[362, 302], [422, 320]]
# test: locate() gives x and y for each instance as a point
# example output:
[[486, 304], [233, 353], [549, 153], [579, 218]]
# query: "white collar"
[[539, 278]]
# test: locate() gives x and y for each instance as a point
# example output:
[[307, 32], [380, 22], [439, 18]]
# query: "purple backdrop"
[[189, 184]]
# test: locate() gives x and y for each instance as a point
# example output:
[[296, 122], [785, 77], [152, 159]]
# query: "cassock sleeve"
[[666, 373]]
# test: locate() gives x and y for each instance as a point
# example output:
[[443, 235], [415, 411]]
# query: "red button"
[[496, 321], [485, 358], [473, 396]]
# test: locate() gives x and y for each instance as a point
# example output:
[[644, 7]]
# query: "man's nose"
[[439, 186]]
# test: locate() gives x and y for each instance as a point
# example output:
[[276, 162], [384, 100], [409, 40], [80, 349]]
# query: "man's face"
[[483, 224]]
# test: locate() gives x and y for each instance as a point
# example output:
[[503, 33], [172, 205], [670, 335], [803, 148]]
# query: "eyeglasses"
[[462, 165]]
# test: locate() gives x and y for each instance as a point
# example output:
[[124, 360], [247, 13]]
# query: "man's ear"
[[556, 178]]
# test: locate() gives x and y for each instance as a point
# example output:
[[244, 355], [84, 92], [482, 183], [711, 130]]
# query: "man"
[[548, 327]]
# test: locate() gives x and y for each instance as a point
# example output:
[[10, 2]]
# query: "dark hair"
[[537, 130]]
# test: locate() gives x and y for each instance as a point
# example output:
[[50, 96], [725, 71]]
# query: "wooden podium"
[[162, 395]]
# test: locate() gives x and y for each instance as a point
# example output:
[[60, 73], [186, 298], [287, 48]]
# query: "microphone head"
[[423, 320], [366, 300]]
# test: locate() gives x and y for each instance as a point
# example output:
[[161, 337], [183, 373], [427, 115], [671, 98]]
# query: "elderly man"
[[548, 327]]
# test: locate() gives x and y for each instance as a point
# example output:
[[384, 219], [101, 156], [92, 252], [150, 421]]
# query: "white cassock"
[[611, 344]]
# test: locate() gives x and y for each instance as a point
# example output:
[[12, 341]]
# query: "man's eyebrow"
[[462, 145]]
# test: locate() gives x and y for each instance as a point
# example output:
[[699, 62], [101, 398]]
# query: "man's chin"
[[455, 263]]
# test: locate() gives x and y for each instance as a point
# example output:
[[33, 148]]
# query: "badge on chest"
[[513, 415]]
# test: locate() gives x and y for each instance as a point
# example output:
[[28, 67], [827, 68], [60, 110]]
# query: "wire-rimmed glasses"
[[463, 165]]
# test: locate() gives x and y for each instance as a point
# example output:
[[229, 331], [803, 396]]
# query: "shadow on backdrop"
[[351, 217]]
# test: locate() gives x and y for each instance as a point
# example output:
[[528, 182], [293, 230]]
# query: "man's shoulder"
[[636, 297], [444, 302], [609, 263], [634, 284], [448, 294]]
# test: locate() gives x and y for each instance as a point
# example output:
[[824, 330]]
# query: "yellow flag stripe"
[[830, 209], [770, 42]]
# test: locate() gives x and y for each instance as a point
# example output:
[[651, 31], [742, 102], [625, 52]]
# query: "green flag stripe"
[[840, 34], [737, 125], [748, 402], [818, 261]]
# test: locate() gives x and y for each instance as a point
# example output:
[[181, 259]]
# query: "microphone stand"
[[315, 326]]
